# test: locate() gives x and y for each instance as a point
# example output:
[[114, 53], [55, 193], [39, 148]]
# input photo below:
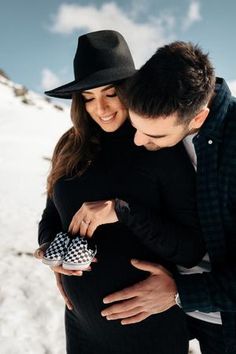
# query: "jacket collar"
[[214, 125]]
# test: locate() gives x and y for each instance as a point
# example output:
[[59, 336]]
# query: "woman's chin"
[[110, 127]]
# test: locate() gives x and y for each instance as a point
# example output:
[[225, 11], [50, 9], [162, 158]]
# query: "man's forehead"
[[152, 126], [152, 119]]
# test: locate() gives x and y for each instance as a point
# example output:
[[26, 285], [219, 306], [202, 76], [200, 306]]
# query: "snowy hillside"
[[31, 309]]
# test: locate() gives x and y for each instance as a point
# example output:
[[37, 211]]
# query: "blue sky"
[[38, 38]]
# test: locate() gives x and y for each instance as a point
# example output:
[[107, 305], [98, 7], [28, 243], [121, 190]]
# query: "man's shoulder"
[[228, 147], [230, 121], [232, 110]]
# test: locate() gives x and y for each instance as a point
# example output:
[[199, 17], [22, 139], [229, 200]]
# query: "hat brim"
[[100, 78]]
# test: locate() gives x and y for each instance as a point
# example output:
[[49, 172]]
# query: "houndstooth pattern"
[[57, 249], [79, 254]]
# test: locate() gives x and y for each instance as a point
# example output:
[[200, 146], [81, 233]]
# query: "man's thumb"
[[146, 266]]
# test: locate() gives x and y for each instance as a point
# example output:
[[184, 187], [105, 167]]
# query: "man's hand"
[[151, 296], [91, 215]]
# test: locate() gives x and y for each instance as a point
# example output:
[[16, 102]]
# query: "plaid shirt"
[[215, 146]]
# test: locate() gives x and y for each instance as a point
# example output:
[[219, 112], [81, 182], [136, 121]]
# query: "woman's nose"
[[101, 106]]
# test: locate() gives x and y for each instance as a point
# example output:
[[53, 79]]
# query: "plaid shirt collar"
[[213, 128]]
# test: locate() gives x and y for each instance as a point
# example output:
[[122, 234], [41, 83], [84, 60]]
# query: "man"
[[175, 97]]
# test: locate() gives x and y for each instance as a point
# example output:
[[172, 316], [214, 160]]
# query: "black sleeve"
[[173, 233], [180, 244], [50, 223], [213, 291]]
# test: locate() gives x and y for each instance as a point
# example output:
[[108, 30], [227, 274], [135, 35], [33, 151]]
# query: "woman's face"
[[105, 107]]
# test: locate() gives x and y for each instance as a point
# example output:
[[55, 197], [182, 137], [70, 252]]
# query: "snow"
[[31, 308], [31, 311]]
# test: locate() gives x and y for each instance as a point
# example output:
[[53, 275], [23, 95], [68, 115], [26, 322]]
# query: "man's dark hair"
[[178, 78]]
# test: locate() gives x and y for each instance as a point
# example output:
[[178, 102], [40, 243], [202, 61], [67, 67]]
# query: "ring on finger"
[[87, 222]]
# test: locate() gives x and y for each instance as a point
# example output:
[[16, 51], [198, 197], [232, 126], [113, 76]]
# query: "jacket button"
[[210, 142]]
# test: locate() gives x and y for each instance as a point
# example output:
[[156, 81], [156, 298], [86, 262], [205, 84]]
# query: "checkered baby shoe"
[[55, 253], [79, 254]]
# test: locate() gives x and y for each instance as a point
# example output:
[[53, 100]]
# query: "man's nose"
[[139, 138]]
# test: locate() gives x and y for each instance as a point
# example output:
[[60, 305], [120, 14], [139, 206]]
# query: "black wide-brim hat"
[[102, 58]]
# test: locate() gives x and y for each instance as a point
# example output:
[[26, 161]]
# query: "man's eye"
[[112, 95]]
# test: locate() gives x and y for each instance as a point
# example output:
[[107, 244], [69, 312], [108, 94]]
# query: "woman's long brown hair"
[[76, 148]]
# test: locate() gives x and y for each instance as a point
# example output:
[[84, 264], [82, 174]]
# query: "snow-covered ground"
[[31, 309], [31, 312]]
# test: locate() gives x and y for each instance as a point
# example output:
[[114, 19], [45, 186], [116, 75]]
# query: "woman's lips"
[[108, 118]]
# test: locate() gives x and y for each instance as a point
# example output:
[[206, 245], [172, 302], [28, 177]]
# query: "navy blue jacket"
[[215, 146]]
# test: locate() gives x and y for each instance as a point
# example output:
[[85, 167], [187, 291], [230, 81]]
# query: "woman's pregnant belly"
[[111, 273], [114, 272]]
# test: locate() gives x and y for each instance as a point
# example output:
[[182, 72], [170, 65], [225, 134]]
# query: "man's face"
[[158, 133]]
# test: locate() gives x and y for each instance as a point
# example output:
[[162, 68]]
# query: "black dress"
[[162, 227]]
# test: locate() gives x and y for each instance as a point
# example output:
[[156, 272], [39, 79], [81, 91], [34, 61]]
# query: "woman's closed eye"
[[86, 99], [89, 99], [112, 94]]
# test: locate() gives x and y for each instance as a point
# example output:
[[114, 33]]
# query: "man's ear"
[[199, 119]]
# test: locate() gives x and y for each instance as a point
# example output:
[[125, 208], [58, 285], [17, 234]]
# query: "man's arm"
[[209, 292], [153, 295], [206, 292], [173, 231], [173, 241]]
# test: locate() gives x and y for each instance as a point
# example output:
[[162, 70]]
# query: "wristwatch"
[[177, 300]]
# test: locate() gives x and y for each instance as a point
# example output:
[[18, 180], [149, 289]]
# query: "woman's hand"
[[91, 215], [58, 271], [39, 253], [62, 291]]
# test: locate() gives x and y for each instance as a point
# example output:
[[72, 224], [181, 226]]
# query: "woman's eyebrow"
[[104, 89], [87, 92], [108, 87]]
